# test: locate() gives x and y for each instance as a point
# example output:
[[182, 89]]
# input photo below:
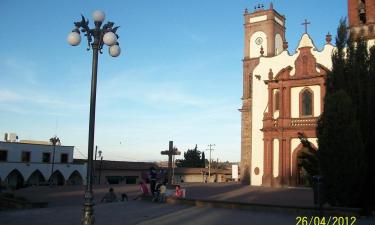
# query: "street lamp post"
[[105, 34], [54, 140], [94, 166]]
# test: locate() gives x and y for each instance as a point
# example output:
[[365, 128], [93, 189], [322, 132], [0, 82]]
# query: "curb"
[[300, 210]]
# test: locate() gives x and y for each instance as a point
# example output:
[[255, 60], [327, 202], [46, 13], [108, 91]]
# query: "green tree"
[[203, 160], [220, 165], [308, 158], [341, 152], [345, 129], [368, 193], [192, 159], [337, 79]]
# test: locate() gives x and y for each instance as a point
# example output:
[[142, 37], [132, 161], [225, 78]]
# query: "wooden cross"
[[170, 152], [305, 24]]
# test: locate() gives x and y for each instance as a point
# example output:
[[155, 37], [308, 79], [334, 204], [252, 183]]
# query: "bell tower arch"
[[264, 37], [264, 28], [361, 14]]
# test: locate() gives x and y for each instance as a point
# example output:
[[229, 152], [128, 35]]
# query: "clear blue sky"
[[179, 76]]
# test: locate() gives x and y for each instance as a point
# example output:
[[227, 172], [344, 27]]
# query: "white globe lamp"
[[98, 16], [109, 38], [114, 50], [74, 38]]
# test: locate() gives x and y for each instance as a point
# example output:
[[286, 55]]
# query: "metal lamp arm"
[[97, 32]]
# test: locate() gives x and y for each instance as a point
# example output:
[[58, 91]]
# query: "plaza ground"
[[65, 206], [72, 195]]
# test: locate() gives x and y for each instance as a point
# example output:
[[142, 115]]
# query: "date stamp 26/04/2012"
[[326, 220]]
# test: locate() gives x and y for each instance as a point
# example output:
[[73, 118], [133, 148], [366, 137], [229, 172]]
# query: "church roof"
[[306, 41]]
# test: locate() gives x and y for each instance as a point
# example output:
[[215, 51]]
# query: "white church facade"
[[283, 93]]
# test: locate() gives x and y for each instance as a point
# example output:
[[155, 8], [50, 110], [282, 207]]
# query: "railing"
[[304, 122], [290, 122]]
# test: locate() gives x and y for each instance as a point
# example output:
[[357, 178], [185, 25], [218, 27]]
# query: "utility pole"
[[210, 148]]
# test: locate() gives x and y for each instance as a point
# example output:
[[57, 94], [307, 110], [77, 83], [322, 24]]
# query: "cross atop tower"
[[305, 24]]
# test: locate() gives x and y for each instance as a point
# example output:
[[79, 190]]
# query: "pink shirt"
[[144, 189], [178, 193]]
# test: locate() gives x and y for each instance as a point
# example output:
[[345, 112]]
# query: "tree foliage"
[[341, 151], [221, 165], [308, 158], [192, 159], [346, 127]]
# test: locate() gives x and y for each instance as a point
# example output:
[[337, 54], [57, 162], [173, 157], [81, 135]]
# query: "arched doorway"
[[15, 179], [57, 178], [75, 179], [302, 177], [35, 178]]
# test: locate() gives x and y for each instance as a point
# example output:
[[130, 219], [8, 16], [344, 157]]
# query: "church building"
[[283, 92]]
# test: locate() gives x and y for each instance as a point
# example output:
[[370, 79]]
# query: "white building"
[[36, 163]]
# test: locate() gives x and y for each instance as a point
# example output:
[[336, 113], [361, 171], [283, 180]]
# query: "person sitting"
[[163, 192], [124, 197], [110, 196], [144, 190], [178, 193], [156, 192]]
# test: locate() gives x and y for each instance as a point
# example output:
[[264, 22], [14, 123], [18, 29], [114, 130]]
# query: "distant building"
[[25, 163], [122, 172], [188, 175]]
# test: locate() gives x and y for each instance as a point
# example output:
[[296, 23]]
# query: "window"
[[362, 11], [3, 155], [25, 157], [307, 103], [64, 158], [277, 100], [46, 157]]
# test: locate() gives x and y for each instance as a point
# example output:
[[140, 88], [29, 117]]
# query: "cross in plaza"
[[305, 24], [170, 152]]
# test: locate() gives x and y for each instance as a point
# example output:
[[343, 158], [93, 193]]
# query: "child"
[[157, 192], [110, 196], [163, 191], [178, 192], [144, 190]]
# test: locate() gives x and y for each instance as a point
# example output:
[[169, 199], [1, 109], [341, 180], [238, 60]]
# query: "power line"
[[84, 156]]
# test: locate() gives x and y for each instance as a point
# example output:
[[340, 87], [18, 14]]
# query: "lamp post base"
[[88, 210]]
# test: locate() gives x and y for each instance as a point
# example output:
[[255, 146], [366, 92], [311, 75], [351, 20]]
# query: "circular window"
[[256, 170], [258, 41]]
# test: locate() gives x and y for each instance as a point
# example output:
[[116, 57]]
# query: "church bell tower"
[[361, 15], [264, 37]]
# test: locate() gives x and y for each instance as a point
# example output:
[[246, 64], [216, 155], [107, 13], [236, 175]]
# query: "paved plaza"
[[72, 195], [141, 212], [65, 206]]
